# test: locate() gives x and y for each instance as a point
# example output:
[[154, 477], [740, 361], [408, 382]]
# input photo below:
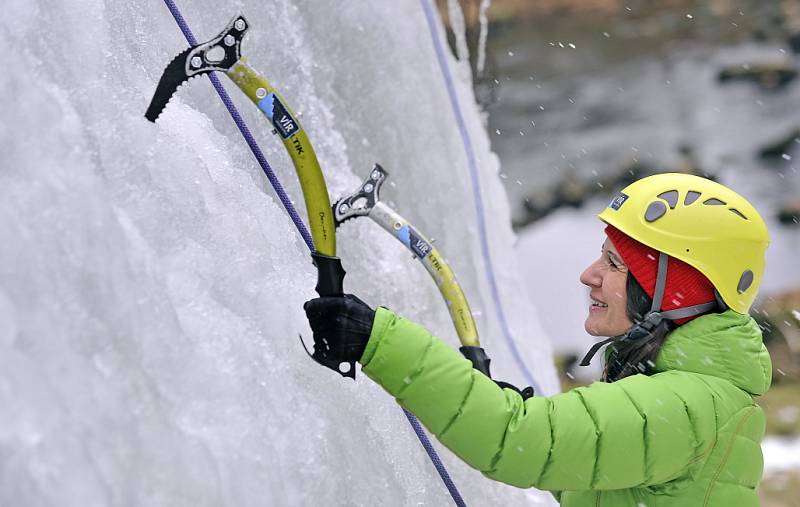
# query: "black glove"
[[341, 325]]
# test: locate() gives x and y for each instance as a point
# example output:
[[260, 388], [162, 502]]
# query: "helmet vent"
[[671, 197], [713, 202], [734, 210], [691, 196], [745, 281], [655, 210]]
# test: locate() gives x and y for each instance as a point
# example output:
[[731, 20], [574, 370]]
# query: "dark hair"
[[632, 357]]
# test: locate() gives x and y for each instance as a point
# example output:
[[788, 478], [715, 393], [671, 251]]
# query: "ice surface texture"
[[151, 285]]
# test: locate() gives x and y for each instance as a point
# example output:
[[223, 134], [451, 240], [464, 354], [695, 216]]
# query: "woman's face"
[[606, 278]]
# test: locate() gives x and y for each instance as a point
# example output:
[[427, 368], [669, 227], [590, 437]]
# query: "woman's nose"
[[591, 276]]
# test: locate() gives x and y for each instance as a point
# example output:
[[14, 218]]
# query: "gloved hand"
[[341, 325]]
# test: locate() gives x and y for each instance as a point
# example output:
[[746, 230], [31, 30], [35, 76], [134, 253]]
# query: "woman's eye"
[[612, 263]]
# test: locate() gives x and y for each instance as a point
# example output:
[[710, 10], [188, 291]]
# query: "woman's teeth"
[[599, 304]]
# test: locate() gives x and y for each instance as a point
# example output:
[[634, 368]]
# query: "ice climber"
[[674, 422]]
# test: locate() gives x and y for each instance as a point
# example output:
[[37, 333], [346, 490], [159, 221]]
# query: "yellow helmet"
[[699, 221]]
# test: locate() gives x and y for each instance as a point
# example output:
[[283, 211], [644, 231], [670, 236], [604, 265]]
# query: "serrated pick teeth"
[[172, 95]]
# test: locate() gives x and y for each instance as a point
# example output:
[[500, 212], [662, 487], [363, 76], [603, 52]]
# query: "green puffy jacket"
[[687, 435]]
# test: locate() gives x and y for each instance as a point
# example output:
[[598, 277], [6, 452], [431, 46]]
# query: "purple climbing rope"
[[430, 17], [298, 222], [434, 456], [245, 130]]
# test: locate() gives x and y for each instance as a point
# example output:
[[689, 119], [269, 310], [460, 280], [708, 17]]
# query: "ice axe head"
[[360, 202], [219, 53]]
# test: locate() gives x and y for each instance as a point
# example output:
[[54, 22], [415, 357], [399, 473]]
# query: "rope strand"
[[298, 222]]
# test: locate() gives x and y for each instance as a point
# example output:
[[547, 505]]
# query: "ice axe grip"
[[330, 278], [330, 275], [477, 356]]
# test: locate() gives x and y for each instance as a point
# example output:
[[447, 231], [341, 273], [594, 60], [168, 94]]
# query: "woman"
[[674, 423]]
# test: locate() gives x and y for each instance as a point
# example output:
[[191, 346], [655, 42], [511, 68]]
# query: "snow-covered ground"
[[781, 453]]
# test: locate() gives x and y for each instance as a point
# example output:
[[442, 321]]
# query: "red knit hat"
[[685, 285]]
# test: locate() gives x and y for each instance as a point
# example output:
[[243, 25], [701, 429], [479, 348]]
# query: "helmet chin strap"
[[642, 331]]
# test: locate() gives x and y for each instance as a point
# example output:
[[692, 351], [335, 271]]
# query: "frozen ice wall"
[[151, 284]]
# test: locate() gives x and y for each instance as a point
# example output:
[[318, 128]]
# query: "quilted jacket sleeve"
[[635, 432]]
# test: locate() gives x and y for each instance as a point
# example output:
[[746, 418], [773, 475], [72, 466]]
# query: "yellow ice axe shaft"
[[315, 192], [312, 182], [437, 267], [330, 274]]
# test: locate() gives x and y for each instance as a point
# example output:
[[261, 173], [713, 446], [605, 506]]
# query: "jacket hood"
[[727, 345]]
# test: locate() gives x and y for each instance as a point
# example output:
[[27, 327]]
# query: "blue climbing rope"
[[430, 17], [298, 222]]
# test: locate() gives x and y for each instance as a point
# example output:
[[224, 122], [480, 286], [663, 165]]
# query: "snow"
[[781, 453], [151, 284]]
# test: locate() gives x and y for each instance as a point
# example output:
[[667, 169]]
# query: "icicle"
[[484, 32], [459, 29]]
